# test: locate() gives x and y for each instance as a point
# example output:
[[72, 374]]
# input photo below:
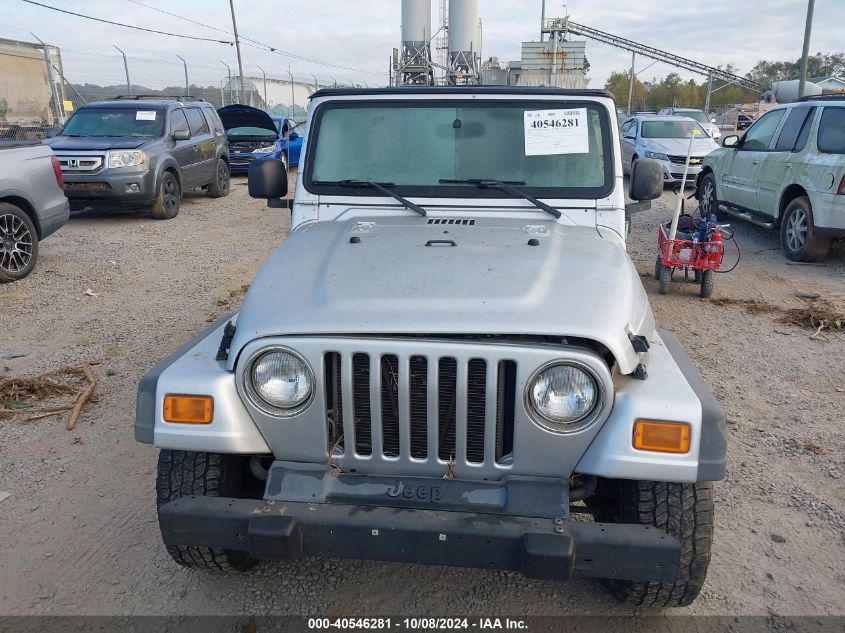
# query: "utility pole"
[[709, 93], [334, 80], [631, 86], [266, 105], [292, 95], [316, 82], [808, 27], [126, 69], [238, 49], [185, 64]]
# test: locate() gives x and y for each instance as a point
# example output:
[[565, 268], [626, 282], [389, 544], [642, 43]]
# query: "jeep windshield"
[[116, 122], [441, 148]]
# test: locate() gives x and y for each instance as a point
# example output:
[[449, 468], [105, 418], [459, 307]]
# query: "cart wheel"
[[665, 278], [706, 284], [658, 268]]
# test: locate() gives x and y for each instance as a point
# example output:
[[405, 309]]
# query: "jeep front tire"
[[684, 511], [183, 473]]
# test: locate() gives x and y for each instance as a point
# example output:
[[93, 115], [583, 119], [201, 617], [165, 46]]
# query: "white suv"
[[787, 171]]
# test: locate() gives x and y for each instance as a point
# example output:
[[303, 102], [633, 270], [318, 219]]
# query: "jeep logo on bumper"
[[423, 493]]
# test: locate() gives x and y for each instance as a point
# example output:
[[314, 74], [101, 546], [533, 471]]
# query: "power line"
[[128, 26], [257, 44]]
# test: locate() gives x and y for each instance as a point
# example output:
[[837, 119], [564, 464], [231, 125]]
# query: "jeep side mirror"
[[50, 132], [646, 180], [181, 135], [730, 141], [293, 136], [268, 179]]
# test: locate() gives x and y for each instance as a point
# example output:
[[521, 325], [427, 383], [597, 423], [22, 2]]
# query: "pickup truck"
[[452, 359], [32, 205]]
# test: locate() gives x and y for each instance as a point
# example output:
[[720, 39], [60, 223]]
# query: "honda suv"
[[142, 152], [787, 171]]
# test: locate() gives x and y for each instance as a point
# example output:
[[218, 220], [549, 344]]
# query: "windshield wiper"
[[504, 185], [380, 186]]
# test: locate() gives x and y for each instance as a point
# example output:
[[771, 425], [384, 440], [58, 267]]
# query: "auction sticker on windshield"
[[145, 115], [549, 132]]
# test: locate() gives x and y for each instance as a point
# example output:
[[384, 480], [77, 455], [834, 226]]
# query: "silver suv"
[[787, 171]]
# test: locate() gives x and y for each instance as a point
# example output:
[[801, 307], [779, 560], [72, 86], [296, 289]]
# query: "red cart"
[[702, 258]]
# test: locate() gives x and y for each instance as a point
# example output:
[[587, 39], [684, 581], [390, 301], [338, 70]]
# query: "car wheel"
[[219, 188], [707, 201], [681, 510], [18, 243], [169, 199], [186, 473], [798, 237]]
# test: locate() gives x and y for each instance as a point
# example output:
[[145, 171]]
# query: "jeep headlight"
[[125, 158], [656, 155], [564, 397], [279, 382], [264, 150]]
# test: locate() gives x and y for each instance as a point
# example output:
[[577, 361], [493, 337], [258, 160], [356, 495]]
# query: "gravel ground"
[[79, 535]]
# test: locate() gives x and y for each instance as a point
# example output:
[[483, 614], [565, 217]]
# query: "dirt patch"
[[818, 314]]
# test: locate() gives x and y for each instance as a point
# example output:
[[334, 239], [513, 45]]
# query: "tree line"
[[671, 90]]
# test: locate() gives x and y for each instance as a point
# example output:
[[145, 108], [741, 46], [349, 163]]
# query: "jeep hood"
[[237, 115], [397, 276]]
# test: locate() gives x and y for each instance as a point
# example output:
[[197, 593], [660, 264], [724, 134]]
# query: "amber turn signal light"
[[188, 409], [662, 437]]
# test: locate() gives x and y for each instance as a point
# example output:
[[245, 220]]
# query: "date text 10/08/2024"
[[424, 623]]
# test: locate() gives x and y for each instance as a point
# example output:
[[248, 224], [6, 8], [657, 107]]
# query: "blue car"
[[289, 130], [253, 133]]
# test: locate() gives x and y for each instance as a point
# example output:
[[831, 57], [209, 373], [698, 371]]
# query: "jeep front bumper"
[[518, 523]]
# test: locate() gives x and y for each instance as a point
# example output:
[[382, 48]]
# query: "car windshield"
[[133, 122], [251, 131], [557, 149], [672, 129], [698, 115]]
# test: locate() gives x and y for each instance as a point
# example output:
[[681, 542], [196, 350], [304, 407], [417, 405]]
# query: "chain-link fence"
[[42, 85]]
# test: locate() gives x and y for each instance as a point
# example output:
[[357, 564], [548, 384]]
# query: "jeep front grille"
[[431, 409]]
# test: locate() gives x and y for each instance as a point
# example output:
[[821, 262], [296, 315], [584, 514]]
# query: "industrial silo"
[[415, 65], [464, 42]]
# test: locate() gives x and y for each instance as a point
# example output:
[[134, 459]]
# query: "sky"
[[360, 35]]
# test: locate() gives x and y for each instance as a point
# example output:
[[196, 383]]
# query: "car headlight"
[[265, 150], [564, 396], [656, 155], [126, 158], [279, 382]]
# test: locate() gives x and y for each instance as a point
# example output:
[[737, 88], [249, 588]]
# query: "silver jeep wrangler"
[[452, 360]]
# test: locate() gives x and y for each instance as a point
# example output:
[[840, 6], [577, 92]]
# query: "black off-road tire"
[[665, 279], [658, 268], [219, 187], [18, 243], [684, 511], [182, 473], [812, 247], [169, 198], [707, 277]]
